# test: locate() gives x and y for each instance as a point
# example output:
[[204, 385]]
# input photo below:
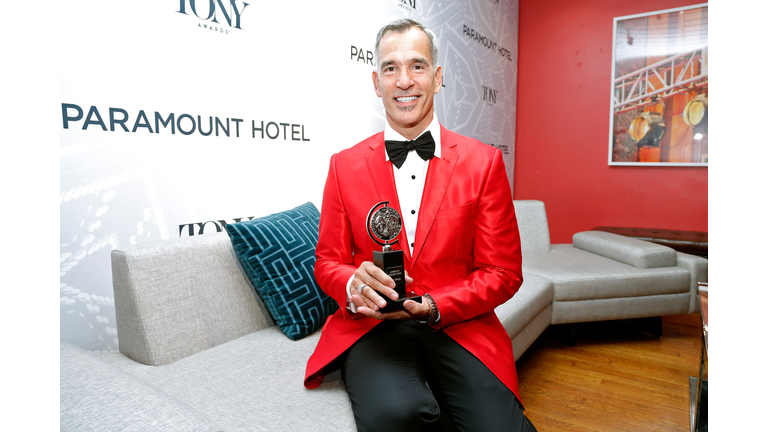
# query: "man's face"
[[406, 81]]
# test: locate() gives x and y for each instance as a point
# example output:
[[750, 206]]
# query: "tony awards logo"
[[384, 225]]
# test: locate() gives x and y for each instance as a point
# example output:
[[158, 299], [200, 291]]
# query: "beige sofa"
[[199, 352]]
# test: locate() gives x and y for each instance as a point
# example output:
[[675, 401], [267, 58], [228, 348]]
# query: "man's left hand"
[[413, 310]]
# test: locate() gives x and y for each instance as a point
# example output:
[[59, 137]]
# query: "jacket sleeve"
[[335, 262], [497, 259]]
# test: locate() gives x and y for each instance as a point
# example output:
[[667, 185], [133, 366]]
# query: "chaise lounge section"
[[603, 276]]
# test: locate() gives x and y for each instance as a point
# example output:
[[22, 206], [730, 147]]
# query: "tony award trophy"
[[383, 226]]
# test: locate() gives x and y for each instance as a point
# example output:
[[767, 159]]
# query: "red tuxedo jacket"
[[466, 253]]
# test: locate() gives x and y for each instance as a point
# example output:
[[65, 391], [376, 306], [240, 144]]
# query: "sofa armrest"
[[637, 253], [96, 396], [179, 297], [532, 224], [699, 269]]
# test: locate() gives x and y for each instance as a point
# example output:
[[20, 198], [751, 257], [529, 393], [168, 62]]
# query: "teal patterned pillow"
[[278, 254]]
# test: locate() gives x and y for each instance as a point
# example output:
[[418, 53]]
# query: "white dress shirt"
[[409, 182]]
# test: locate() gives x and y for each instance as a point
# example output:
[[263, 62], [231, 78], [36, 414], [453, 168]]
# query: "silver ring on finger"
[[361, 286]]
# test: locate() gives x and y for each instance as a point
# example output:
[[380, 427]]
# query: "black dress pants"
[[404, 376]]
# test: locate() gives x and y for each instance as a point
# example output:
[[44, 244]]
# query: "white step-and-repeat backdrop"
[[177, 115]]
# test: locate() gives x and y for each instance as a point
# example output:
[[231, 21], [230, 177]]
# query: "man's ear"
[[375, 77], [439, 80]]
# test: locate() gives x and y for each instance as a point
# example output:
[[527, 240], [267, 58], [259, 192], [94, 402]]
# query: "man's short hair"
[[402, 26]]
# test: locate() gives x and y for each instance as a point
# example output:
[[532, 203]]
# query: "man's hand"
[[413, 310], [373, 286]]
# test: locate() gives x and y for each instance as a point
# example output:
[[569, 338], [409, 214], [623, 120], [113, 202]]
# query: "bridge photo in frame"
[[659, 88]]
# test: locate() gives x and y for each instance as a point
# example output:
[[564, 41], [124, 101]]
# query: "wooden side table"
[[699, 386]]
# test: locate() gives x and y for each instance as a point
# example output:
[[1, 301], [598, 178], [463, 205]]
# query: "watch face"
[[386, 224]]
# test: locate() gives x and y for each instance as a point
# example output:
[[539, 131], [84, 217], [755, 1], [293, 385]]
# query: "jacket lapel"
[[380, 170], [438, 178]]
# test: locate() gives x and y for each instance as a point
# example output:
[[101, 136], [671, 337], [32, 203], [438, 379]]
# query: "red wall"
[[563, 120]]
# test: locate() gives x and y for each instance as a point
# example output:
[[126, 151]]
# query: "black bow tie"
[[398, 150]]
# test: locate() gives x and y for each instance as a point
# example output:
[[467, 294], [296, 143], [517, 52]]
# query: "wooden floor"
[[614, 379]]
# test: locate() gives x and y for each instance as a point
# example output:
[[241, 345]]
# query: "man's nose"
[[404, 79]]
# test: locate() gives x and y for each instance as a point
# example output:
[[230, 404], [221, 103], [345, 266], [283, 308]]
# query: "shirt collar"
[[434, 128]]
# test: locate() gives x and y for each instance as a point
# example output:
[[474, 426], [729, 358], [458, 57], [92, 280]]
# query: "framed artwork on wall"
[[659, 88]]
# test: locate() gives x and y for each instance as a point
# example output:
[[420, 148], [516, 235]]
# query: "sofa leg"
[[569, 334], [653, 325]]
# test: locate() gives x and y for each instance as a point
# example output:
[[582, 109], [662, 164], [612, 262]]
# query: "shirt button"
[[413, 211], [413, 177], [411, 244]]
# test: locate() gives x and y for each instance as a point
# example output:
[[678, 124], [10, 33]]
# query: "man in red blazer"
[[445, 363]]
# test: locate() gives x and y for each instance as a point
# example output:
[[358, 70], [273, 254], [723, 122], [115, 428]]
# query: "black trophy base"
[[397, 305], [391, 261]]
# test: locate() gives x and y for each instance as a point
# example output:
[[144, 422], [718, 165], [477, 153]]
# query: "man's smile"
[[406, 99]]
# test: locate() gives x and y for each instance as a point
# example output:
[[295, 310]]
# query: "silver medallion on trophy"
[[384, 224]]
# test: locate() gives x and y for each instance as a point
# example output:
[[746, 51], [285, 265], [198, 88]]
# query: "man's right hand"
[[370, 285]]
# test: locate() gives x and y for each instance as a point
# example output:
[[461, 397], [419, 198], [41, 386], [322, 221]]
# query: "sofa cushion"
[[619, 308], [180, 296], [253, 383], [96, 396], [278, 254], [528, 313], [699, 268], [637, 253], [528, 335], [581, 275], [691, 242], [534, 296]]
